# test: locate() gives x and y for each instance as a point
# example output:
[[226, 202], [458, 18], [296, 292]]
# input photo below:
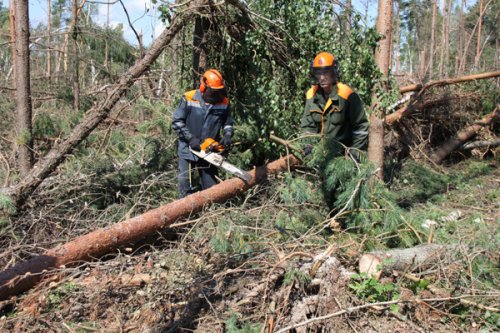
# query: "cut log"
[[26, 274], [415, 87], [376, 263], [463, 136]]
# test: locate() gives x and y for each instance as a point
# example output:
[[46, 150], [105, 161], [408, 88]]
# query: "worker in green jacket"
[[334, 110]]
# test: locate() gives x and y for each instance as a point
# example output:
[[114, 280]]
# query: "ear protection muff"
[[203, 85]]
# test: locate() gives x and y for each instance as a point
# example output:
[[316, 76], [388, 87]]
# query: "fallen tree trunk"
[[98, 113], [415, 87], [407, 110], [481, 144], [462, 136], [26, 274], [376, 263]]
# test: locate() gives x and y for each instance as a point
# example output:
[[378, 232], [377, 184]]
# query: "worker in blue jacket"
[[202, 113]]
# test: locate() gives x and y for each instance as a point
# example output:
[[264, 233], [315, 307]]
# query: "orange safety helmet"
[[211, 79], [324, 62]]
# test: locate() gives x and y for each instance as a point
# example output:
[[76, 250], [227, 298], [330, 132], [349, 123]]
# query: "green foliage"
[[232, 326], [296, 223], [230, 238], [295, 275], [418, 183], [156, 114], [296, 190], [7, 205], [45, 125], [372, 290], [370, 208], [267, 65], [23, 137], [56, 296]]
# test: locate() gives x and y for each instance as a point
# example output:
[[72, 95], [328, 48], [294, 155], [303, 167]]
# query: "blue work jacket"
[[195, 118]]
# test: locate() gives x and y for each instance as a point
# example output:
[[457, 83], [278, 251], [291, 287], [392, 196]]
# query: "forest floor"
[[204, 276]]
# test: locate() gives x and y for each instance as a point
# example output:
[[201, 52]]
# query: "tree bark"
[[382, 59], [403, 260], [26, 274], [376, 144], [99, 112], [442, 152], [23, 91], [348, 14]]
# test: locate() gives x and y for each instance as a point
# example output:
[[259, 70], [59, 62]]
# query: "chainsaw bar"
[[220, 162]]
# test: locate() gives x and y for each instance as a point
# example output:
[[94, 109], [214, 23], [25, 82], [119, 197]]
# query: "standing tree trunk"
[[348, 13], [461, 32], [447, 44], [106, 42], [23, 92], [443, 40], [49, 41], [463, 60], [382, 58], [12, 26], [396, 43], [478, 47], [199, 54], [433, 39], [76, 60]]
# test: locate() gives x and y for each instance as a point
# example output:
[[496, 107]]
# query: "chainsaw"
[[211, 152]]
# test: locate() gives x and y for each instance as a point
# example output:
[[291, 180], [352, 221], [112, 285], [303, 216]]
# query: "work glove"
[[194, 143], [226, 141], [307, 149]]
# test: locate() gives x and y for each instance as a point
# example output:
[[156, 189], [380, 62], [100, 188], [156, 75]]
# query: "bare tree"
[[382, 58], [480, 27], [12, 26], [76, 57], [49, 41], [443, 39], [433, 41], [397, 41], [23, 92], [447, 41]]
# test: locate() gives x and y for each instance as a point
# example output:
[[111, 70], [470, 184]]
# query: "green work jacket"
[[337, 117]]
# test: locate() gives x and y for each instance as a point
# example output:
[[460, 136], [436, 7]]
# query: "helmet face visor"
[[214, 96], [323, 75]]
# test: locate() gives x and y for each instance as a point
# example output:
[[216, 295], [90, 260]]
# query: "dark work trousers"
[[207, 173]]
